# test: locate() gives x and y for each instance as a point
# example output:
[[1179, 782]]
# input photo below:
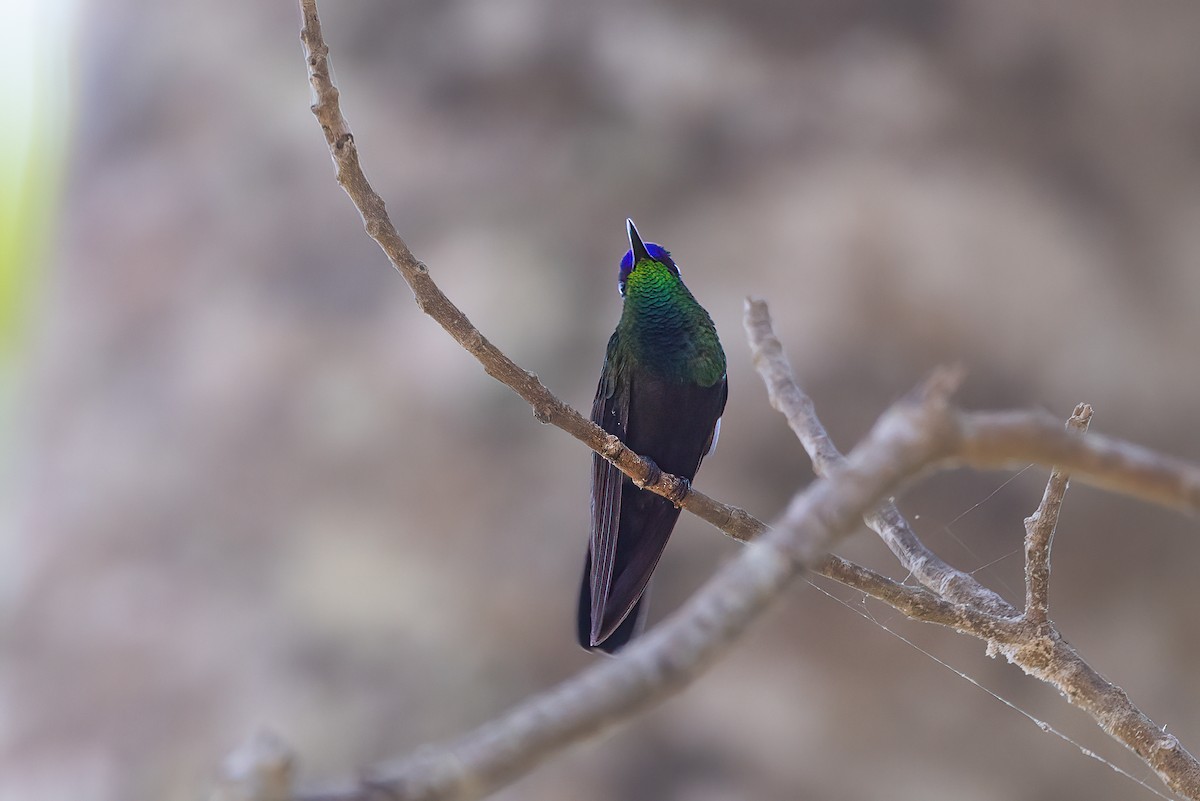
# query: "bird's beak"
[[635, 243]]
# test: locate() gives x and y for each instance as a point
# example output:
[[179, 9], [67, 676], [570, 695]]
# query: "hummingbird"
[[662, 391]]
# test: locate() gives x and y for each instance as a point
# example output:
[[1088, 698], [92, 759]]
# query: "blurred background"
[[247, 483]]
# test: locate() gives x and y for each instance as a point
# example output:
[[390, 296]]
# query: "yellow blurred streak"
[[34, 72]]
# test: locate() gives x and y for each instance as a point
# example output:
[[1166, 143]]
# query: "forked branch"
[[1029, 641], [1039, 531], [920, 433]]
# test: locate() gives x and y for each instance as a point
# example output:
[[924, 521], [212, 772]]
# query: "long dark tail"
[[630, 627]]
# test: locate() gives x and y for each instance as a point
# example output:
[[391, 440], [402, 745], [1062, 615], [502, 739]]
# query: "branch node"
[[936, 390], [375, 227], [612, 447], [543, 412], [1081, 417], [476, 343], [1166, 743], [678, 491], [652, 476]]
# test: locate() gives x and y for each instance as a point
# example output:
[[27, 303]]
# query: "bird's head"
[[641, 253]]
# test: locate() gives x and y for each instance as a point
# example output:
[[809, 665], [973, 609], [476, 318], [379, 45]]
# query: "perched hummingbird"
[[662, 392]]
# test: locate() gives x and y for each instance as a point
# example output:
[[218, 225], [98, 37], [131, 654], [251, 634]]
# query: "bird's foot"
[[677, 490], [653, 474]]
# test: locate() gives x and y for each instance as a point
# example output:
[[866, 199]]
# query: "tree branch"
[[1012, 439], [919, 603], [1028, 641], [917, 434], [1039, 531], [431, 300], [674, 653], [787, 397]]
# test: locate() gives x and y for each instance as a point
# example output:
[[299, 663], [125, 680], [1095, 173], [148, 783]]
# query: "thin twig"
[[921, 604], [1039, 531], [788, 398]]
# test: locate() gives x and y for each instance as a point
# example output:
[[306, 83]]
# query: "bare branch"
[[786, 396], [783, 391], [1049, 658], [921, 604], [1029, 641], [669, 657], [673, 654], [920, 432], [1119, 466], [1039, 531], [992, 440], [431, 300]]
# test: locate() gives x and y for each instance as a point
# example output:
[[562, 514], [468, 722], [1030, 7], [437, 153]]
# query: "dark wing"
[[646, 519], [610, 411], [673, 424]]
